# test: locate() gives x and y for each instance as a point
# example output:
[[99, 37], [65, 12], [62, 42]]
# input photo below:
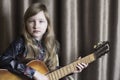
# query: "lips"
[[36, 31]]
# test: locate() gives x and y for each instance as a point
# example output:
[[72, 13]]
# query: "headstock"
[[101, 49]]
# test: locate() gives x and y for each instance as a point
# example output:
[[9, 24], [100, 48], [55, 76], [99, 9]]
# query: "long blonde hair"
[[51, 45]]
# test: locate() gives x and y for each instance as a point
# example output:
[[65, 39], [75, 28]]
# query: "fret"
[[68, 69], [62, 71], [52, 76], [72, 67], [87, 59], [49, 76], [57, 74]]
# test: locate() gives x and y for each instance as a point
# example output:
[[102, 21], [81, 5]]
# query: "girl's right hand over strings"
[[39, 76]]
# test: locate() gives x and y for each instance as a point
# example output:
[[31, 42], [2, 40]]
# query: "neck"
[[38, 38]]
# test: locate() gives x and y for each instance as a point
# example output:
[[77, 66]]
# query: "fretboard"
[[70, 68]]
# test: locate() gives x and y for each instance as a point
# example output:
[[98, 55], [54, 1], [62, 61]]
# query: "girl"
[[36, 43]]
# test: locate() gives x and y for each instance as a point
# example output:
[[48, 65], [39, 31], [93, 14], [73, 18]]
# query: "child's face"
[[37, 25]]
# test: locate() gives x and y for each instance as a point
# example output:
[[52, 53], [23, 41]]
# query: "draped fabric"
[[79, 25]]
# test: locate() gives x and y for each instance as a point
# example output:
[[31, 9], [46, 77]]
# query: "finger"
[[84, 64], [79, 57], [80, 65], [79, 69]]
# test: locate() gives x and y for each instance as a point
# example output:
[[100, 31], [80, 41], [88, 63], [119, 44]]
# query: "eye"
[[41, 21]]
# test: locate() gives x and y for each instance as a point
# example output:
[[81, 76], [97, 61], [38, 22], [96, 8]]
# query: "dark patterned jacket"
[[12, 59]]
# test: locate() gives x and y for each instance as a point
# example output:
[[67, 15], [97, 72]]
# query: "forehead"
[[39, 15]]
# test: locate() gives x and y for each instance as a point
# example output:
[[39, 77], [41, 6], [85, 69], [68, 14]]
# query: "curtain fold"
[[116, 70], [79, 25]]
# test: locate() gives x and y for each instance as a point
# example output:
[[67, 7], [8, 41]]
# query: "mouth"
[[36, 31]]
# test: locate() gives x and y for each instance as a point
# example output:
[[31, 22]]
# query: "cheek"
[[30, 25], [45, 27], [29, 29]]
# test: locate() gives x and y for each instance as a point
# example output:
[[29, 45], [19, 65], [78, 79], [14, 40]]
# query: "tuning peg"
[[101, 42], [95, 46], [98, 44]]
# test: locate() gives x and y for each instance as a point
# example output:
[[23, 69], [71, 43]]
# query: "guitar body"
[[35, 64]]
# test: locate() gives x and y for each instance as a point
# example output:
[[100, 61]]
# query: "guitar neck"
[[64, 71]]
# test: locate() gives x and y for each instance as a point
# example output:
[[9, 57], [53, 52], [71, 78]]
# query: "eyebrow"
[[36, 19]]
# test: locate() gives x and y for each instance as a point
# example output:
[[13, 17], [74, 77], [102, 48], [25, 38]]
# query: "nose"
[[36, 24]]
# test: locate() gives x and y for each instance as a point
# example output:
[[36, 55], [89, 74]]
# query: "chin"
[[36, 36]]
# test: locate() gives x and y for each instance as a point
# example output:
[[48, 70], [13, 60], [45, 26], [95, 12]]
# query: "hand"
[[39, 76], [80, 67]]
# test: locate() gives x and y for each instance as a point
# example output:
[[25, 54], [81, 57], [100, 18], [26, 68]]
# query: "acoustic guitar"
[[38, 65]]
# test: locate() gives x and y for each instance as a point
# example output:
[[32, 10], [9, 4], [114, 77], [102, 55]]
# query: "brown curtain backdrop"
[[79, 25]]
